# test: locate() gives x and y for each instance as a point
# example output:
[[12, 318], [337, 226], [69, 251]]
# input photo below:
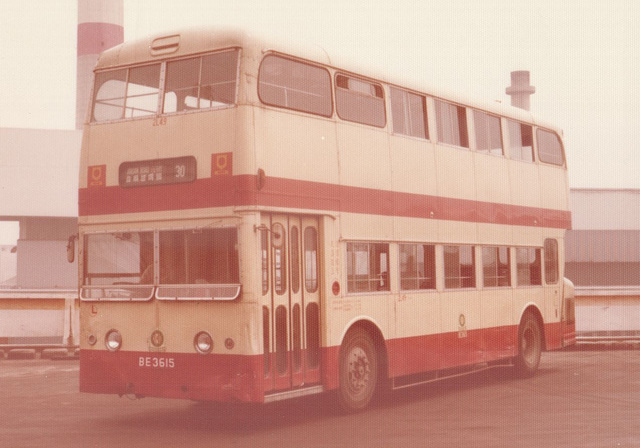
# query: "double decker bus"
[[257, 224]]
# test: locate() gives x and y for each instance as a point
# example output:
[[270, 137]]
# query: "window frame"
[[457, 125], [511, 122], [486, 117], [374, 282], [161, 87], [461, 281], [200, 58], [497, 268], [533, 268], [342, 93], [557, 159], [425, 279], [408, 119], [310, 244], [308, 65], [126, 95], [140, 276], [551, 247]]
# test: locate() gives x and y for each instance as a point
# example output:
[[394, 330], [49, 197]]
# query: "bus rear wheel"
[[358, 370], [529, 346]]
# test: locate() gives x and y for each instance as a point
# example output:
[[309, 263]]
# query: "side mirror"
[[71, 248]]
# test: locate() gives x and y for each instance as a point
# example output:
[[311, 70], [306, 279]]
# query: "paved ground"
[[579, 399]]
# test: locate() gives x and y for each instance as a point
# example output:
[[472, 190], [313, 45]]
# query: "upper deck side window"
[[199, 82], [409, 113], [360, 101], [488, 133], [296, 85], [549, 147], [451, 122], [521, 141]]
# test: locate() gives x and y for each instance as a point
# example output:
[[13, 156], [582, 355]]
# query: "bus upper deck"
[[433, 157]]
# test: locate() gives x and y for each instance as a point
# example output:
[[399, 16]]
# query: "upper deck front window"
[[200, 82], [126, 93]]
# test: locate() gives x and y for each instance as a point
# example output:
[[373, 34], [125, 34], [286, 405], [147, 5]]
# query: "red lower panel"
[[408, 356], [557, 336], [442, 351], [242, 378], [569, 335], [291, 371], [172, 375]]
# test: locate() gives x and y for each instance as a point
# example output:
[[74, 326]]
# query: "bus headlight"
[[203, 343], [113, 340]]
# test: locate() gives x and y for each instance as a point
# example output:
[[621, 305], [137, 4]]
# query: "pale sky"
[[583, 56]]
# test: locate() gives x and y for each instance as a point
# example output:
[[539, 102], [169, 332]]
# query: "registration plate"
[[156, 362]]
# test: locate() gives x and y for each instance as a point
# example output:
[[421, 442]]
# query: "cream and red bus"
[[257, 223]]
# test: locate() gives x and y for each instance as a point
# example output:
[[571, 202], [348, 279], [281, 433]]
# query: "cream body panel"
[[525, 183], [455, 172], [364, 156], [413, 166], [291, 145]]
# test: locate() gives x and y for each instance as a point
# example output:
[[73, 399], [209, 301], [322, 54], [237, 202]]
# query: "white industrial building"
[[603, 260], [39, 172], [603, 248], [39, 189]]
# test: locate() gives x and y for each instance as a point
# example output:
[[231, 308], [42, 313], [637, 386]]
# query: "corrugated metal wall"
[[603, 249], [599, 246]]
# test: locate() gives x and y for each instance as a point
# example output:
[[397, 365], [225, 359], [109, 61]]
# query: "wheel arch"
[[533, 309]]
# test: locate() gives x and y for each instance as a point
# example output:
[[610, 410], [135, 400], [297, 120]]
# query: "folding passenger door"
[[290, 280]]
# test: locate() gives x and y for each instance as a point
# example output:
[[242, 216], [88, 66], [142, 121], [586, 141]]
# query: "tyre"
[[358, 370], [529, 346]]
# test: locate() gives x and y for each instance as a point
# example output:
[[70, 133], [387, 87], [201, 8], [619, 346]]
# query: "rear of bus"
[[160, 250]]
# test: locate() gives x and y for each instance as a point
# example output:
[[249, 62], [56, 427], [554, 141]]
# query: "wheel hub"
[[358, 370]]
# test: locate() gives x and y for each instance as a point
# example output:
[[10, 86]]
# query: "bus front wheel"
[[358, 370], [529, 346]]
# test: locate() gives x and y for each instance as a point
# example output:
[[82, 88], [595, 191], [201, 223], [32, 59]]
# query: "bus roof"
[[198, 40]]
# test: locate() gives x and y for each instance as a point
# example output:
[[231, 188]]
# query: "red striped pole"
[[100, 27]]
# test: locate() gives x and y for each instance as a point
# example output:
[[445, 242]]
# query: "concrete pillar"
[[520, 90], [100, 27]]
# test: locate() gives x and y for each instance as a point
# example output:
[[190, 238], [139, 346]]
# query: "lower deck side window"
[[496, 266], [529, 266], [551, 261], [367, 267], [417, 266], [459, 267]]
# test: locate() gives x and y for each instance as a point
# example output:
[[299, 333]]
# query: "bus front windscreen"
[[180, 264]]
